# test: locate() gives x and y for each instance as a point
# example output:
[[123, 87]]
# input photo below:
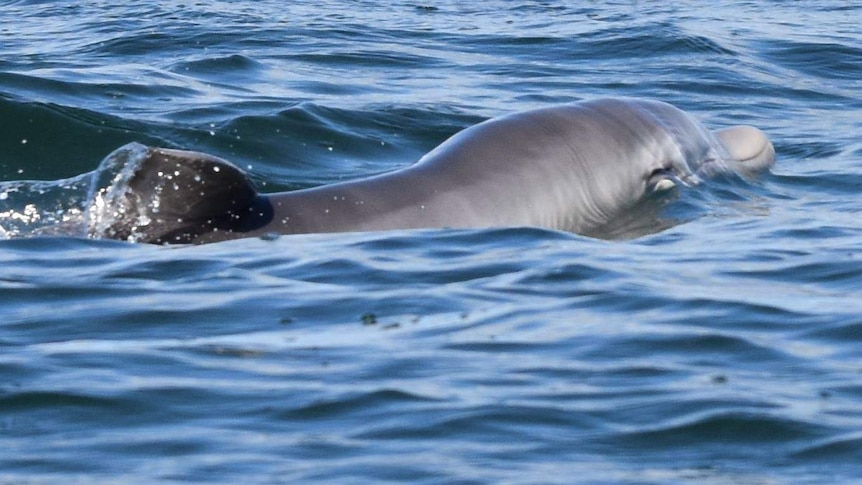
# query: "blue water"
[[723, 349]]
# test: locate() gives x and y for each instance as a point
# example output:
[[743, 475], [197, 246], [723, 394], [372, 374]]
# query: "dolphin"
[[575, 167]]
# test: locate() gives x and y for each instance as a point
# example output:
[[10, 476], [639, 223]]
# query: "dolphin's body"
[[575, 167]]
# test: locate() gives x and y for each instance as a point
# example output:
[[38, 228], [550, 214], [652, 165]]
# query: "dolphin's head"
[[696, 152], [662, 147]]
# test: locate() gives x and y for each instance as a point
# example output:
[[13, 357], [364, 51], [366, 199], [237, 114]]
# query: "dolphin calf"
[[575, 167]]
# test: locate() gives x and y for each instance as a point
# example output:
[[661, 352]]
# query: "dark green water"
[[725, 349]]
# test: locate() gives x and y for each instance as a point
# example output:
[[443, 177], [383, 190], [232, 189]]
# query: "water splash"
[[82, 206], [29, 209], [107, 195]]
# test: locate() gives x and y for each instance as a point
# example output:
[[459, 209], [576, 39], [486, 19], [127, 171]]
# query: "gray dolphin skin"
[[575, 167]]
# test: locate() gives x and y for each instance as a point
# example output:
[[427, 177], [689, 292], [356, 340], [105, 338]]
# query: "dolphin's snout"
[[749, 146]]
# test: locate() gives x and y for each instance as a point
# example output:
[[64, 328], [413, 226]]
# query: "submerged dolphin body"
[[576, 167]]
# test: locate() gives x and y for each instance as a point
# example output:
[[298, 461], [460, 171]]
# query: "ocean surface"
[[724, 349]]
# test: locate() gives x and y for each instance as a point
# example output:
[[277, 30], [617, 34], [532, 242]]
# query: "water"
[[724, 349]]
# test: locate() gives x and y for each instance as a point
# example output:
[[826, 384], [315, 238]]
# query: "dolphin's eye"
[[661, 180]]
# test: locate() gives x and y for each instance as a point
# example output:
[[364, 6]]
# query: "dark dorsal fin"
[[176, 196]]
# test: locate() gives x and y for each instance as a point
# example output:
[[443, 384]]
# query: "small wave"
[[740, 429], [818, 60], [833, 448], [669, 40]]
